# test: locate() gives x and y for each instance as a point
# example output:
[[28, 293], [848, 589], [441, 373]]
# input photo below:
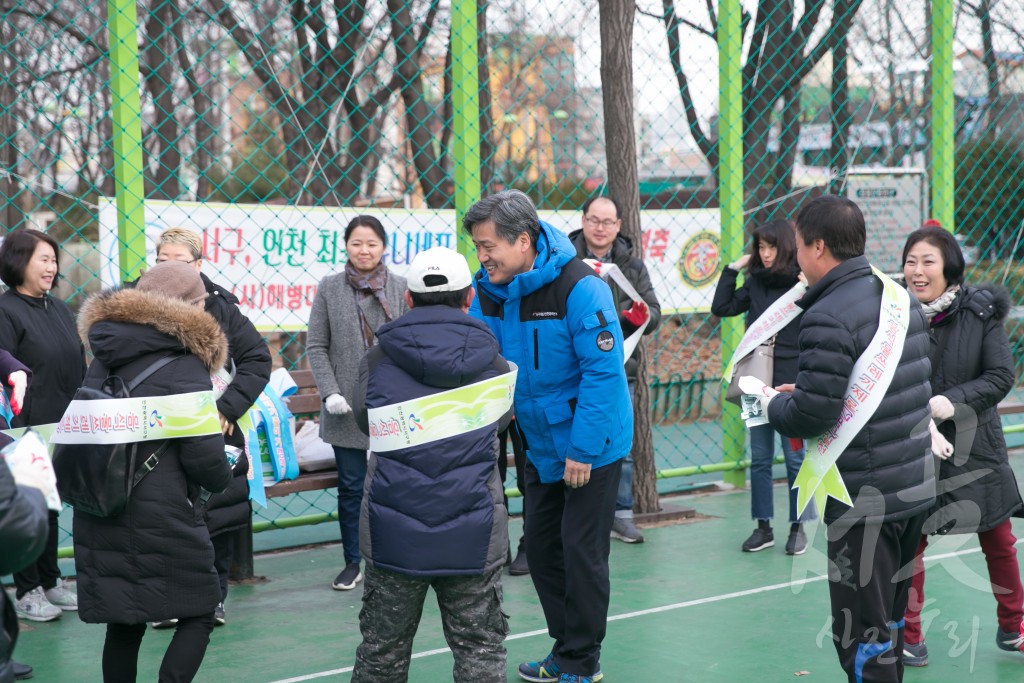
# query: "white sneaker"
[[35, 607], [62, 597]]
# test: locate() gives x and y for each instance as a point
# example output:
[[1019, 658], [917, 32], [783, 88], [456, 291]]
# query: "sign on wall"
[[893, 202]]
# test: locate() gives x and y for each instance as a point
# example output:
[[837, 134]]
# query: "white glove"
[[30, 466], [18, 381], [940, 446], [337, 405], [942, 408]]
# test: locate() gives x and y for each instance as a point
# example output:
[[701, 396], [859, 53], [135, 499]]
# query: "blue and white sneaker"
[[544, 671]]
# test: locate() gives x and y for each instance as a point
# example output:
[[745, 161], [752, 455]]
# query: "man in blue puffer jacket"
[[556, 319], [432, 513]]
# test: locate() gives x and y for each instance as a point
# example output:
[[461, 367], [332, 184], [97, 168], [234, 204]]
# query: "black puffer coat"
[[977, 489], [621, 254], [246, 347], [760, 290], [888, 467], [24, 525], [154, 561], [40, 332]]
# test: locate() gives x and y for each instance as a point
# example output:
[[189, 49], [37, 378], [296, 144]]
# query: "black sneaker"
[[348, 578], [219, 618], [915, 654], [21, 671], [797, 543], [1009, 640], [520, 566], [759, 540]]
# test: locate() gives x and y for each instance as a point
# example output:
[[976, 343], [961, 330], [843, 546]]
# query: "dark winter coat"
[[621, 254], [435, 509], [154, 561], [758, 292], [888, 468], [251, 355], [977, 489], [24, 526], [40, 332]]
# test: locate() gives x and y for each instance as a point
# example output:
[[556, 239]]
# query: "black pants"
[[223, 554], [568, 541], [181, 661], [519, 457], [869, 572], [44, 571]]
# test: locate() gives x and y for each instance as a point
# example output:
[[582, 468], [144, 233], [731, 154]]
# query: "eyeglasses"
[[164, 260], [594, 221]]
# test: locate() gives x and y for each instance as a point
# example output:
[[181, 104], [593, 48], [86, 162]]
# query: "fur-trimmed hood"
[[994, 296], [193, 328]]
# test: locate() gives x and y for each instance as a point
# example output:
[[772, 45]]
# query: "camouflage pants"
[[471, 616]]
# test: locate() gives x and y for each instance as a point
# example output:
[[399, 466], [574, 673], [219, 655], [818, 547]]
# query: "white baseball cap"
[[438, 269]]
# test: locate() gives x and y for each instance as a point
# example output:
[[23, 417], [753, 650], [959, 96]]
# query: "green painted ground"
[[686, 606]]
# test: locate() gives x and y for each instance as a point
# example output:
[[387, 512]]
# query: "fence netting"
[[267, 125]]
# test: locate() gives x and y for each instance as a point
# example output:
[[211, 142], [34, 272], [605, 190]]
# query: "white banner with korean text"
[[273, 257]]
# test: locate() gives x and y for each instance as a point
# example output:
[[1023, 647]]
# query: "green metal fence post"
[[466, 118], [943, 160], [122, 27], [730, 198]]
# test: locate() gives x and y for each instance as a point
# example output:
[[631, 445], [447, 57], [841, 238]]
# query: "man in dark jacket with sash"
[[432, 512], [887, 465]]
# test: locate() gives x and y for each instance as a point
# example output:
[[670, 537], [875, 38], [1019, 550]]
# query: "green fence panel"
[[267, 125]]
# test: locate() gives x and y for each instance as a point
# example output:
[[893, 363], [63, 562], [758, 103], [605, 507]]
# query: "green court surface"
[[686, 606]]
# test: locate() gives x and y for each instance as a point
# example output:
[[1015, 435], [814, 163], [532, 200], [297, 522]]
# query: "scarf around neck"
[[372, 283], [945, 300]]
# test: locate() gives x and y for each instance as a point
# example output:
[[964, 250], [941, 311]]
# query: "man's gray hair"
[[512, 212]]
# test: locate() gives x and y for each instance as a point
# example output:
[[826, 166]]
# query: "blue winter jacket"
[[435, 509], [559, 324]]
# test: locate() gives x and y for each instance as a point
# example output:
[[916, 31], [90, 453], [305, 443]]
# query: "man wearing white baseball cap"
[[433, 514]]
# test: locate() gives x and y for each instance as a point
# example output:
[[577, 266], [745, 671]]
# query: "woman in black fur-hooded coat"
[[972, 371], [155, 560]]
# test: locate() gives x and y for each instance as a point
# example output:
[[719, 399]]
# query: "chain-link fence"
[[266, 125]]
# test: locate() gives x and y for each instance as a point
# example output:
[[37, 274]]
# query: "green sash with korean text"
[[440, 416]]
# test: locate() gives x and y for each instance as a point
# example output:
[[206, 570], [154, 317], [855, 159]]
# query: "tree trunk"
[[984, 13], [160, 64], [10, 213], [623, 183], [839, 157]]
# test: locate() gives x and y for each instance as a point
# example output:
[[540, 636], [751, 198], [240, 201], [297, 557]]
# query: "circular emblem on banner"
[[605, 341], [698, 264]]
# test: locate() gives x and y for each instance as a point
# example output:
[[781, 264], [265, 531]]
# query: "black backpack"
[[98, 478]]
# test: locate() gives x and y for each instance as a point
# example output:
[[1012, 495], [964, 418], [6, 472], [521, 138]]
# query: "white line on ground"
[[638, 613]]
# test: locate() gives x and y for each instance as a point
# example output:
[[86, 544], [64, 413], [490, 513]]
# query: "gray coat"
[[335, 348]]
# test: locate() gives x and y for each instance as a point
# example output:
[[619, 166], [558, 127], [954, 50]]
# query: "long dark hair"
[[779, 234]]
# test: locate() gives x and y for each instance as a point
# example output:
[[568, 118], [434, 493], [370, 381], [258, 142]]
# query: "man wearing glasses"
[[599, 240]]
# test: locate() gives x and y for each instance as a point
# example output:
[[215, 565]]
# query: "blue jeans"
[[351, 464], [762, 452]]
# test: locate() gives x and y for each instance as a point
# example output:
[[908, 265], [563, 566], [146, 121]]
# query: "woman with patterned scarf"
[[972, 371], [348, 309]]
